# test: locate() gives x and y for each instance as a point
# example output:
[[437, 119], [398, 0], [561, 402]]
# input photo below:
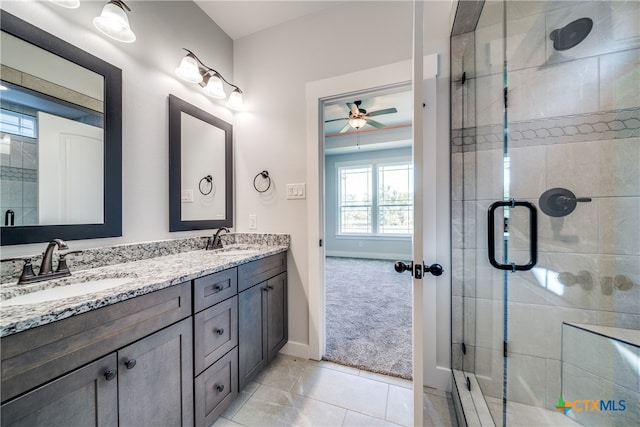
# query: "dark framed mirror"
[[61, 139], [200, 168]]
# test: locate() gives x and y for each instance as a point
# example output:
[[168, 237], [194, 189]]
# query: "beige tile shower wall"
[[574, 122]]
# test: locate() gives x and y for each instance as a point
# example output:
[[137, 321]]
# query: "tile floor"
[[299, 392]]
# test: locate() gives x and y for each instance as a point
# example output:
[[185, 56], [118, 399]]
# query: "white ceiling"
[[240, 18]]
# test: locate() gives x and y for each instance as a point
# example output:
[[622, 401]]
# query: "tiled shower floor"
[[293, 391]]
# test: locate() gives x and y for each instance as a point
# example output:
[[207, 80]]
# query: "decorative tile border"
[[111, 255], [11, 173], [605, 125]]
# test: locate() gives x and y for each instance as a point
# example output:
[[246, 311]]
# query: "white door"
[[70, 182]]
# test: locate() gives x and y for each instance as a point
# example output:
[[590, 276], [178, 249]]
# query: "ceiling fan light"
[[357, 122], [214, 87], [189, 70], [113, 22], [235, 100]]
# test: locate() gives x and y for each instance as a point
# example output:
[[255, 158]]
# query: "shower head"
[[571, 34]]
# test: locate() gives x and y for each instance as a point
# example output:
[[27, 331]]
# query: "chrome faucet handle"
[[27, 271], [62, 264]]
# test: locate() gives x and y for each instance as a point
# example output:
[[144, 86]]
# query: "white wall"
[[163, 29]]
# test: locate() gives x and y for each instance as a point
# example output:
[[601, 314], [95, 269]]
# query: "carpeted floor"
[[368, 315]]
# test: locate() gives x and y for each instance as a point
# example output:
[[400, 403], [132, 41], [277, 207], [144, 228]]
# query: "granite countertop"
[[147, 275]]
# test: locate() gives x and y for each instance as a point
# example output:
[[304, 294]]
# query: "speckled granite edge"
[[147, 275], [119, 254]]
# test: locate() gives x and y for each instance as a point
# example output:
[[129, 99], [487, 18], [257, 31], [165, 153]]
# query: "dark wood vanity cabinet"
[[262, 307], [174, 357]]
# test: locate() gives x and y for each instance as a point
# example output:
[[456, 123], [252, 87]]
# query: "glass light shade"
[[214, 88], [69, 4], [357, 122], [189, 70], [235, 100], [113, 22]]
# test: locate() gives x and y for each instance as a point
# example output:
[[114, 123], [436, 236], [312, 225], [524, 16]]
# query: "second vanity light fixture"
[[193, 70], [113, 22]]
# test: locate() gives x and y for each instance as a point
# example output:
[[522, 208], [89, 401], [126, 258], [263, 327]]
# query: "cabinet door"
[[251, 333], [155, 379], [81, 398], [276, 319]]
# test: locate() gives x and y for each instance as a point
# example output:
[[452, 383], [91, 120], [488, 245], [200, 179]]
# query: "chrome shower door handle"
[[533, 236]]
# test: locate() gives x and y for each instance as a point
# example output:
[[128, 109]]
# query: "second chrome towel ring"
[[263, 184], [206, 185]]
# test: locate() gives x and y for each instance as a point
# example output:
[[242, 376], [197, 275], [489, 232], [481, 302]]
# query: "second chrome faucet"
[[214, 242]]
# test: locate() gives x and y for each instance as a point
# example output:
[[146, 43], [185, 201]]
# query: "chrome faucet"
[[214, 242], [46, 268]]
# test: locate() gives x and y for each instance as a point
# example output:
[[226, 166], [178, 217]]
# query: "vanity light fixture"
[[69, 4], [193, 70], [113, 22]]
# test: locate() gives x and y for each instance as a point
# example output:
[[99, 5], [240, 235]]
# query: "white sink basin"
[[67, 291]]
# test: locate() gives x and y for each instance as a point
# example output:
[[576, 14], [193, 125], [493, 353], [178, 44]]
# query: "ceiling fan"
[[358, 117]]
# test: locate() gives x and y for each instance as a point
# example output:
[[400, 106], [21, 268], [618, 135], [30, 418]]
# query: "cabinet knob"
[[220, 388], [219, 331], [130, 363], [219, 288], [110, 374]]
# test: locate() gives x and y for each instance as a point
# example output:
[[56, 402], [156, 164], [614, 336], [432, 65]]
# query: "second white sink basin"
[[67, 291]]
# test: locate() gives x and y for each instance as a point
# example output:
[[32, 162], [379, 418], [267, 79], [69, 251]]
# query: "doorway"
[[368, 222]]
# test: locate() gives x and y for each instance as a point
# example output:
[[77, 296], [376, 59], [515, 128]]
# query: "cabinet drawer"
[[216, 332], [260, 270], [212, 289], [35, 356], [216, 387]]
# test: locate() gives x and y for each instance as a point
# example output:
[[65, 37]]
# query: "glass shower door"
[[572, 148]]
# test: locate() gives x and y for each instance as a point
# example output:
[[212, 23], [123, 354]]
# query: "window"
[[17, 123], [386, 211], [395, 199], [355, 200]]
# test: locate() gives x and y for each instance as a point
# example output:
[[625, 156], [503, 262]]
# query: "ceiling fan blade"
[[375, 124], [380, 112], [335, 120], [345, 128], [354, 108]]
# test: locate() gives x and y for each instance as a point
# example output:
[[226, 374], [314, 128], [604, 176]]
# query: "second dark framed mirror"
[[200, 168]]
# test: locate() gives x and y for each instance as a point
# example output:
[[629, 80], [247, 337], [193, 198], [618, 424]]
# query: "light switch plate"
[[186, 196], [253, 222], [296, 191]]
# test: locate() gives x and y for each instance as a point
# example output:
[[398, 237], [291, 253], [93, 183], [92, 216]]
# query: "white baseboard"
[[369, 255], [296, 349]]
